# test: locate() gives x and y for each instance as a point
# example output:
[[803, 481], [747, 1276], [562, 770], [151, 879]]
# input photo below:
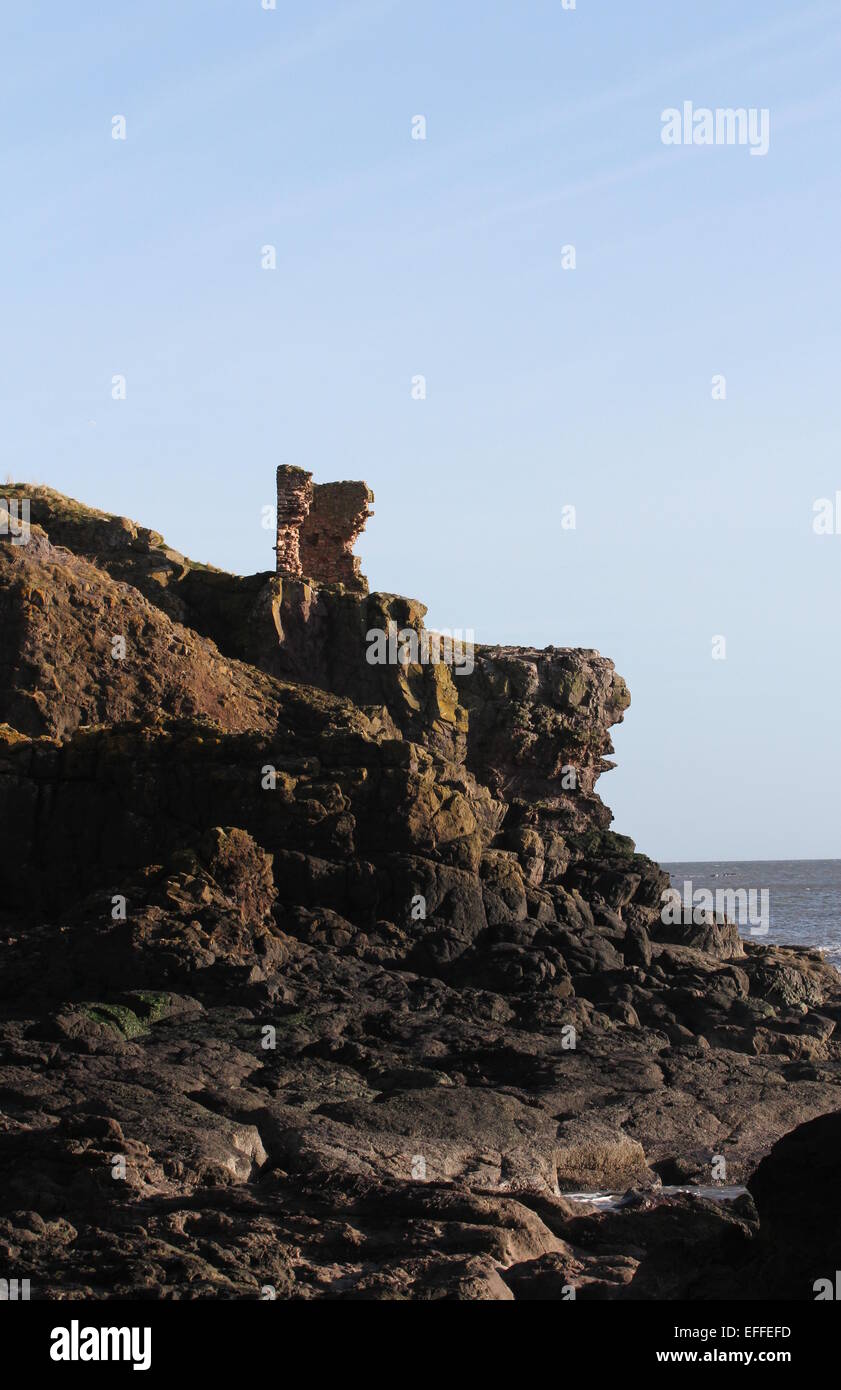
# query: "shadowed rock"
[[327, 974]]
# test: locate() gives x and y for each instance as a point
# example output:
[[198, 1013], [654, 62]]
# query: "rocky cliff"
[[327, 975]]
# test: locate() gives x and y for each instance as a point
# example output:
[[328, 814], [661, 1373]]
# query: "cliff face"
[[352, 936]]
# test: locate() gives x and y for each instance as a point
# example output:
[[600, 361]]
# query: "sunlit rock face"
[[313, 925]]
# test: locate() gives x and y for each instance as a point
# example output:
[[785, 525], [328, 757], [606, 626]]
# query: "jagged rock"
[[62, 665], [715, 938], [338, 963]]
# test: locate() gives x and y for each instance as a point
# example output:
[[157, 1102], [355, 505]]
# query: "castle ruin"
[[317, 528]]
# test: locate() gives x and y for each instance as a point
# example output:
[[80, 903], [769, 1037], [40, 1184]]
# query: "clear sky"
[[546, 387]]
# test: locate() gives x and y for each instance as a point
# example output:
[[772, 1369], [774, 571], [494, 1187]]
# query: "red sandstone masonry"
[[294, 499], [336, 519], [318, 525]]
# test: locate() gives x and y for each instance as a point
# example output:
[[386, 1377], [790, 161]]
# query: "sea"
[[804, 897]]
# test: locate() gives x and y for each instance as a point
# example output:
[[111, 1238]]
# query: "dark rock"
[[326, 976], [636, 947]]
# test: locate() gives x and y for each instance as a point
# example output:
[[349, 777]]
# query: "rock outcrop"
[[323, 969]]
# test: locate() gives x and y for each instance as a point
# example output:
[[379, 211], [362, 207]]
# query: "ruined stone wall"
[[318, 525], [294, 499], [337, 517]]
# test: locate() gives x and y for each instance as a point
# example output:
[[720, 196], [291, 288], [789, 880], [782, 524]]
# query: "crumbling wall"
[[294, 499], [318, 525], [336, 518]]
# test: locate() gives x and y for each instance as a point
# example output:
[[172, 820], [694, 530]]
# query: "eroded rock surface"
[[328, 977]]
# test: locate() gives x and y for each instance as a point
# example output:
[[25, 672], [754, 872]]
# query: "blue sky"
[[546, 387]]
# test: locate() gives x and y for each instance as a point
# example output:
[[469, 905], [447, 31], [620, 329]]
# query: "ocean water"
[[804, 897]]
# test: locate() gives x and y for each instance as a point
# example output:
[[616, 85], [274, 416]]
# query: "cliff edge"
[[323, 969]]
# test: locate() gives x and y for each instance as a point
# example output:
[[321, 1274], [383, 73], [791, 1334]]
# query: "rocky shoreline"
[[329, 979]]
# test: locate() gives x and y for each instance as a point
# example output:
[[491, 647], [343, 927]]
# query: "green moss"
[[149, 1007], [298, 1020], [117, 1016], [573, 688], [153, 1004]]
